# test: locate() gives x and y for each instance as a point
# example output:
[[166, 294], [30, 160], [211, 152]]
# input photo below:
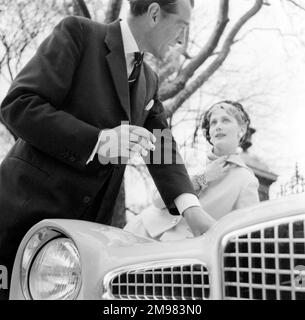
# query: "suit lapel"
[[117, 64], [138, 98]]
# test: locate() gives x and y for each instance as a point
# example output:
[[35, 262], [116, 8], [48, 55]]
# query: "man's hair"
[[139, 7]]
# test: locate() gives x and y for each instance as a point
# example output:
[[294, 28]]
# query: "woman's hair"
[[236, 110], [139, 7]]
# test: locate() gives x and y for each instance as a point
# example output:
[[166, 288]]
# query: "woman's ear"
[[204, 132], [154, 14], [242, 132]]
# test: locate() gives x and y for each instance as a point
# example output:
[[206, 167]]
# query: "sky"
[[268, 65]]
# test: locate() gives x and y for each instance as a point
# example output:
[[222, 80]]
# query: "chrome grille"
[[161, 281], [262, 262]]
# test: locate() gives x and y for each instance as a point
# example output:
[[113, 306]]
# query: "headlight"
[[55, 273]]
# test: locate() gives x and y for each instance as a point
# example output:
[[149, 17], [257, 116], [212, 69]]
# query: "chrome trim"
[[106, 287], [38, 240], [260, 227]]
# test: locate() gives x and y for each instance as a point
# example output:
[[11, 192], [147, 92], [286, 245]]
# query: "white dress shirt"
[[130, 46], [185, 200]]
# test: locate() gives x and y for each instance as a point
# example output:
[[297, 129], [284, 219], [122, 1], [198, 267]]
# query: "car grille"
[[266, 261], [169, 281]]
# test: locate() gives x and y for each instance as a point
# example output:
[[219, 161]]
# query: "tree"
[[21, 23], [113, 10]]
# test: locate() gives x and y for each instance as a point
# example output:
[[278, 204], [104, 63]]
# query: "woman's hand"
[[216, 169]]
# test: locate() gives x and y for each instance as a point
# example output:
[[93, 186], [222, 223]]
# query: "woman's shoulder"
[[250, 178], [244, 172]]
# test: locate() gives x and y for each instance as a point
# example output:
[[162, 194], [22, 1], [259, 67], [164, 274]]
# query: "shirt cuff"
[[95, 148], [185, 201]]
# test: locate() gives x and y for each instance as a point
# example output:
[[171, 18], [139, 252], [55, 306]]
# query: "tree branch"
[[169, 90], [83, 9], [113, 10], [296, 4], [180, 98]]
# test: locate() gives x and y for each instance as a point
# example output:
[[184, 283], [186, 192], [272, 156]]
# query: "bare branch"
[[210, 70], [296, 4], [81, 8], [113, 10], [169, 90]]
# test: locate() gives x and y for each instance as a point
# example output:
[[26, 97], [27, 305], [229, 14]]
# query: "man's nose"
[[181, 38]]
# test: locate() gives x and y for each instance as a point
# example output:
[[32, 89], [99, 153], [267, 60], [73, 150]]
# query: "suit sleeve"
[[165, 164], [248, 195], [34, 107]]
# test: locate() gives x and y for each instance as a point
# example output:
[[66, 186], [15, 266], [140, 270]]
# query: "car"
[[254, 253]]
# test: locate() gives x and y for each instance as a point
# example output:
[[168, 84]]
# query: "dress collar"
[[232, 158]]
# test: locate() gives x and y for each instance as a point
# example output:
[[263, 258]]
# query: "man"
[[69, 102]]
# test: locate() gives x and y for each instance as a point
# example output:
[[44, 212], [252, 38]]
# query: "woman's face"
[[225, 132]]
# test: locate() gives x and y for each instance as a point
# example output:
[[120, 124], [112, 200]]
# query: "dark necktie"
[[136, 68]]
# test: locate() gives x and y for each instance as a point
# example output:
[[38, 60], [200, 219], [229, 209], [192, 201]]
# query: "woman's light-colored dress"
[[237, 189]]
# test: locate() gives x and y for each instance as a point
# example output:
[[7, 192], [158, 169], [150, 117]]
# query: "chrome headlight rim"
[[32, 249]]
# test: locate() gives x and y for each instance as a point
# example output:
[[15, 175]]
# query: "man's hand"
[[198, 220], [125, 141]]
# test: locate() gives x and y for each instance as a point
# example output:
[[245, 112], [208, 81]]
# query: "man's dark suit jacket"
[[74, 86]]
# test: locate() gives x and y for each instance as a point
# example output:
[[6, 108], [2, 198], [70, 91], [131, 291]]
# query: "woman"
[[226, 184]]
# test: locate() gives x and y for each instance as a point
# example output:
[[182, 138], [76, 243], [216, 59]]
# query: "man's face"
[[170, 30]]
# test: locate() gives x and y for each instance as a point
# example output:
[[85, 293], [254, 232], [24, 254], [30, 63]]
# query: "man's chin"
[[157, 54], [160, 57], [162, 54]]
